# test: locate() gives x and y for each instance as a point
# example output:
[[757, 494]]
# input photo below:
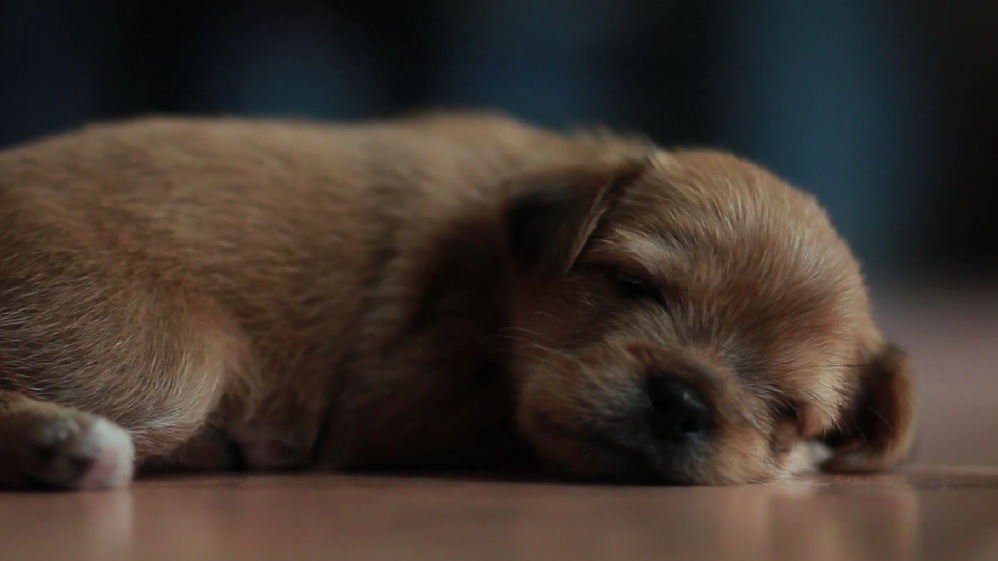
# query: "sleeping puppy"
[[448, 291]]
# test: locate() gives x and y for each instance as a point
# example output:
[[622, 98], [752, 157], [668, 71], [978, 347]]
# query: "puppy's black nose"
[[679, 411]]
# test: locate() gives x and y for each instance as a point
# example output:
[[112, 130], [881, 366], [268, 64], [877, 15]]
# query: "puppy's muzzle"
[[669, 426]]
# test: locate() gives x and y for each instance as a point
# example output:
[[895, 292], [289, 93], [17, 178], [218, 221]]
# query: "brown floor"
[[945, 508]]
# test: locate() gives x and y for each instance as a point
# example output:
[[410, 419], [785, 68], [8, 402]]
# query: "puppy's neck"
[[446, 356]]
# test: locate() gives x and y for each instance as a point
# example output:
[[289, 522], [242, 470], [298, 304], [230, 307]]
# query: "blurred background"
[[887, 110]]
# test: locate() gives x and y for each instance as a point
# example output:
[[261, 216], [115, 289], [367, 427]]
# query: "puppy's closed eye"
[[634, 287]]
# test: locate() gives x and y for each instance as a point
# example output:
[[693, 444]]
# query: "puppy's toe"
[[66, 449]]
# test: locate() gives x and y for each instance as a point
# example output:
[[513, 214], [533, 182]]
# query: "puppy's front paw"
[[57, 448]]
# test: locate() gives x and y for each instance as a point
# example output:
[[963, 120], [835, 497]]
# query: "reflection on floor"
[[944, 508]]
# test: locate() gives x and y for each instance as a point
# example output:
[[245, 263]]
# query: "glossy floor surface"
[[945, 507]]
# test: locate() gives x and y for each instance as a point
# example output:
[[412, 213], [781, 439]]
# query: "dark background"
[[886, 109]]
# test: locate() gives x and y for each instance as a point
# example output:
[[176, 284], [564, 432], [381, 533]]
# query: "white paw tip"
[[113, 457]]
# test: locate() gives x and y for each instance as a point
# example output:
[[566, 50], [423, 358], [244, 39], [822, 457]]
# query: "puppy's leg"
[[127, 379], [47, 445], [211, 449]]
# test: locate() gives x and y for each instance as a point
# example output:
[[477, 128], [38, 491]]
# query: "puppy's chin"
[[577, 451], [580, 455], [584, 458]]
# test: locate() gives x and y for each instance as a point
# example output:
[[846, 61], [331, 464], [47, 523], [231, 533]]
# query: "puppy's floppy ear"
[[551, 214], [877, 429]]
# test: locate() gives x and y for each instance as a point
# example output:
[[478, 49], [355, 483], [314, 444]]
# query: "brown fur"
[[434, 292]]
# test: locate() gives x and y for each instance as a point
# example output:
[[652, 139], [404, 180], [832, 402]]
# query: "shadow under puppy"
[[458, 291]]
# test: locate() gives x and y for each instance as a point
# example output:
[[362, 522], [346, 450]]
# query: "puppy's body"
[[286, 294]]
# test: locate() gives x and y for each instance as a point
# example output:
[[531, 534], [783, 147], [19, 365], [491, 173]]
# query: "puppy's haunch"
[[459, 291]]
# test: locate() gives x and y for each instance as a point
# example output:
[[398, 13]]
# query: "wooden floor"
[[944, 508]]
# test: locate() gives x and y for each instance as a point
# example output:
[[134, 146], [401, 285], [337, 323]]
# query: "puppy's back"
[[284, 226]]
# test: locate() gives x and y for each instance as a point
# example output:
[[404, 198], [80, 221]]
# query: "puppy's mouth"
[[602, 455]]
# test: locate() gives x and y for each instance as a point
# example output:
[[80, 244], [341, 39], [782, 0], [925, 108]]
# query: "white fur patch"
[[807, 457], [113, 456]]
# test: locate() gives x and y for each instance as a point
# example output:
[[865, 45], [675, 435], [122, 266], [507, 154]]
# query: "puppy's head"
[[689, 318]]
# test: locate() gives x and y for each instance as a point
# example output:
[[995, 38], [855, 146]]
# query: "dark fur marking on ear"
[[876, 432], [537, 216], [552, 214]]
